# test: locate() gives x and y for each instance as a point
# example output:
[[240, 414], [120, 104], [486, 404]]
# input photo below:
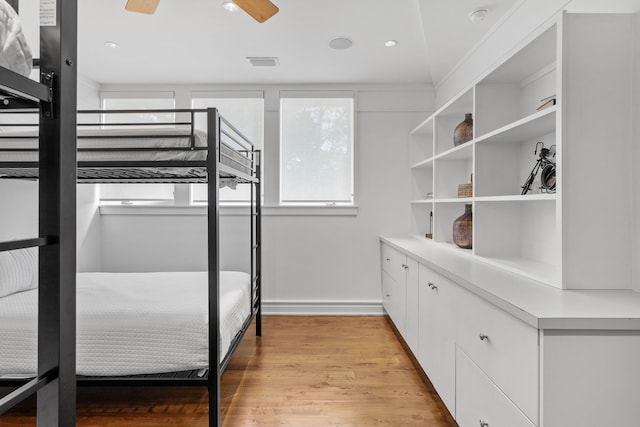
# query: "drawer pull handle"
[[406, 267], [434, 287], [388, 259], [484, 337], [483, 424]]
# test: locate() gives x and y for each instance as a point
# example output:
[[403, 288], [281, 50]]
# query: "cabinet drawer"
[[505, 348], [393, 262], [394, 301], [479, 402]]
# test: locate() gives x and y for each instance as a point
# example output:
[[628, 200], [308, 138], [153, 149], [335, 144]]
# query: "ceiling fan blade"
[[142, 6], [260, 10]]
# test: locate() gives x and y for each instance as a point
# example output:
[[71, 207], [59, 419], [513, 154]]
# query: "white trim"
[[325, 308], [193, 210], [312, 94], [233, 94], [310, 210]]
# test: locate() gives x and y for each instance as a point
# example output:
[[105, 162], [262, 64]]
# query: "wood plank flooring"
[[305, 371]]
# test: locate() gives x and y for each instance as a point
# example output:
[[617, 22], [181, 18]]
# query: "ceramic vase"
[[464, 131], [463, 229]]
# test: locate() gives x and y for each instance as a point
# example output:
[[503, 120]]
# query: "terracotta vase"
[[463, 229], [464, 131]]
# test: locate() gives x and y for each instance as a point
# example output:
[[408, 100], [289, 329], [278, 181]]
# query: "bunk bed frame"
[[58, 171], [55, 97]]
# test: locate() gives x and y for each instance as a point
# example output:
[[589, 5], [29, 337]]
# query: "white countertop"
[[537, 304]]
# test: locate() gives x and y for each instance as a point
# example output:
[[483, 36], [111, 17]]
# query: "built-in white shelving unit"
[[577, 236]]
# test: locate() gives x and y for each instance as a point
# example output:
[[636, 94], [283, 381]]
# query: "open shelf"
[[539, 123], [542, 272], [421, 141], [516, 88], [466, 200], [545, 233], [519, 234], [424, 164], [448, 117], [449, 172], [420, 216]]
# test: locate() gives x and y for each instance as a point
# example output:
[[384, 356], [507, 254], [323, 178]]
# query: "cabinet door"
[[437, 326], [394, 301], [412, 283], [480, 402], [394, 291], [504, 347]]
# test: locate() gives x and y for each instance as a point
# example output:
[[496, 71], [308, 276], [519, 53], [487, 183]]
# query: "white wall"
[[19, 209], [499, 43], [312, 263], [88, 227]]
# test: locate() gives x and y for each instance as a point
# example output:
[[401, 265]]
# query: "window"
[[245, 110], [142, 101], [317, 149]]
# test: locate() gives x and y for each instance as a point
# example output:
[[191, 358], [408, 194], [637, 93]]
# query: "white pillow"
[[14, 50], [18, 271]]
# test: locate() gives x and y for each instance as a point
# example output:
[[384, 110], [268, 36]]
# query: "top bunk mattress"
[[130, 323], [127, 146]]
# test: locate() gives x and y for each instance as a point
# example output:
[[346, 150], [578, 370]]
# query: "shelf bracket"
[[47, 106]]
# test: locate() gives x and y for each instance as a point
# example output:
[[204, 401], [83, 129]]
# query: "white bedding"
[[130, 323], [113, 138], [14, 50], [125, 138]]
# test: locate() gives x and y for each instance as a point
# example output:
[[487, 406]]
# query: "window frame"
[[235, 95], [324, 94], [134, 95]]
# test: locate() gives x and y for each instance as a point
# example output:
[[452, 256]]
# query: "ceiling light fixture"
[[478, 15], [341, 43], [111, 45], [229, 6], [391, 43], [263, 61]]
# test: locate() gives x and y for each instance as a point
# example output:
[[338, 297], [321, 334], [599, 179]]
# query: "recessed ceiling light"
[[341, 43], [391, 43], [478, 15], [230, 6], [111, 45], [263, 61]]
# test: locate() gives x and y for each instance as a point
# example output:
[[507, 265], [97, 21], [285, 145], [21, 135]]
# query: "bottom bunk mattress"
[[130, 323]]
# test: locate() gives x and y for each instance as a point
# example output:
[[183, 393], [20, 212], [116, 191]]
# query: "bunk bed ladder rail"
[[35, 384], [213, 217], [256, 243], [55, 383]]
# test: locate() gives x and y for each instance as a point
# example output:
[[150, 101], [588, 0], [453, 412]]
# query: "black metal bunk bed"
[[55, 98], [127, 157], [235, 160]]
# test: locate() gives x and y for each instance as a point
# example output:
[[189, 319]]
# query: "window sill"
[[279, 210], [195, 210]]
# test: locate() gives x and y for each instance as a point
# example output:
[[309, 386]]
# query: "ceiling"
[[197, 41]]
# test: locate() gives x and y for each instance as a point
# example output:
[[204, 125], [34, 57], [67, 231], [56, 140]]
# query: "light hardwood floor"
[[305, 371]]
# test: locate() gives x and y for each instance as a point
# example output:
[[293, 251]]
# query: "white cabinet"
[[435, 316], [437, 328], [399, 292], [480, 402], [502, 350], [503, 347], [548, 235]]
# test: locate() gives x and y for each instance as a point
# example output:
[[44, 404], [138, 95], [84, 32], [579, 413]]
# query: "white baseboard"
[[325, 308]]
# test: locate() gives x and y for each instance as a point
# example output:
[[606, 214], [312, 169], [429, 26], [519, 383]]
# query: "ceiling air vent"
[[263, 61]]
